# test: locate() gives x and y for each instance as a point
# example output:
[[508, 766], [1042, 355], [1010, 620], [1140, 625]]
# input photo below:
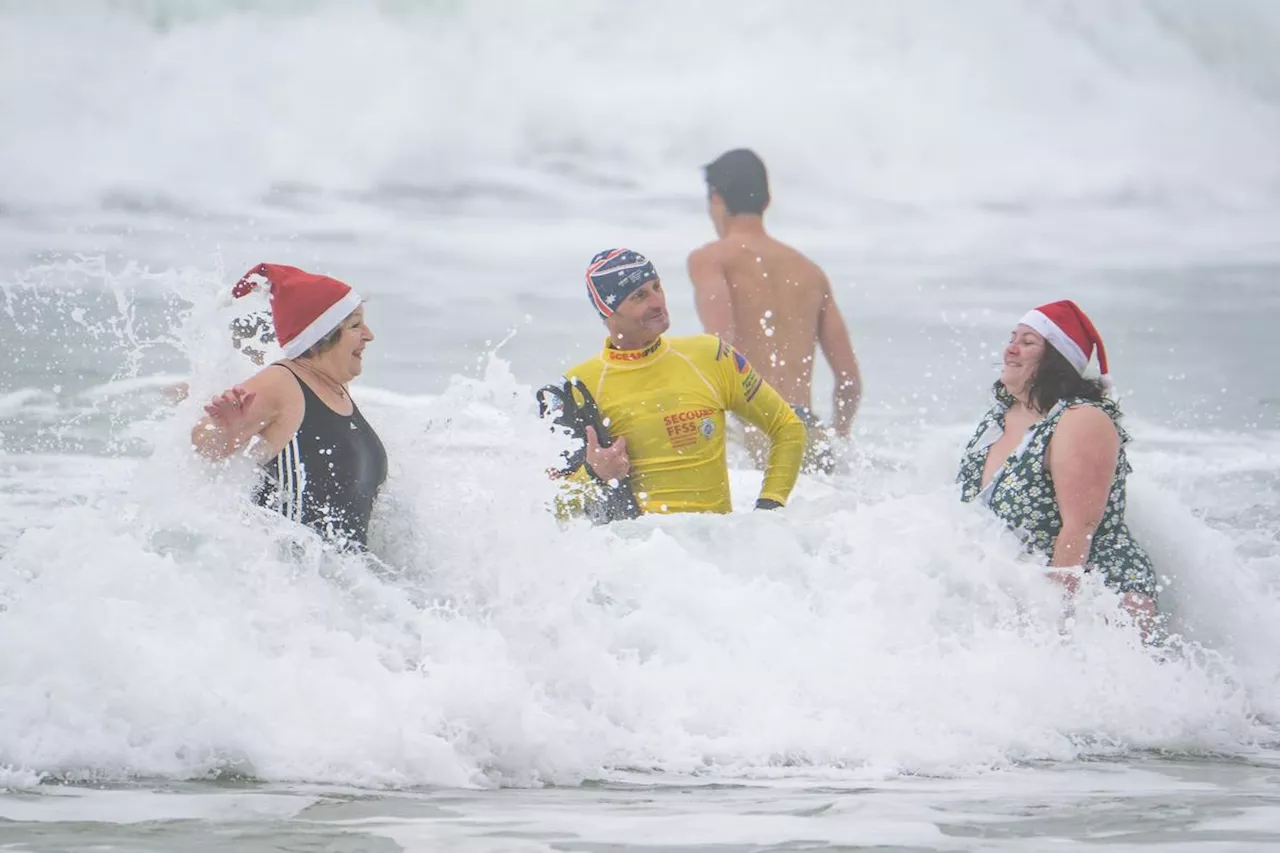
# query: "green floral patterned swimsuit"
[[1022, 494]]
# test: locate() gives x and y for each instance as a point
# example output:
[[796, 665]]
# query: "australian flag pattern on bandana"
[[615, 274]]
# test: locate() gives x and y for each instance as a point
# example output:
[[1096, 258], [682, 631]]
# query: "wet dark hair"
[[1056, 380], [325, 344], [739, 177]]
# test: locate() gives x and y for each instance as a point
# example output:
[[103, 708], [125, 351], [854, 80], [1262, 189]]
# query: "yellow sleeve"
[[755, 400]]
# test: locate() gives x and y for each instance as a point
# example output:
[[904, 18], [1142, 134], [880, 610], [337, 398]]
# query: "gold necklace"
[[336, 386]]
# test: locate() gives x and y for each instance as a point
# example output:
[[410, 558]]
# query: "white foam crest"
[[133, 385], [1216, 594], [28, 401], [159, 627], [74, 805], [872, 628], [901, 109]]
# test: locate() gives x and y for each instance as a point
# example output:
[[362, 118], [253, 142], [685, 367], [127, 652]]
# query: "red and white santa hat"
[[1070, 331], [304, 307]]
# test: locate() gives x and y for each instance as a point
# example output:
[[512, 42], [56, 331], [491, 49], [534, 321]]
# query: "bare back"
[[777, 296]]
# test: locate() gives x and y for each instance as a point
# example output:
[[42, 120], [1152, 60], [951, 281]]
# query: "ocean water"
[[872, 668]]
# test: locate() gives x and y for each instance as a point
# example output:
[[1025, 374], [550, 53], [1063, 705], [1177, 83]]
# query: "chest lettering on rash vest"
[[684, 428]]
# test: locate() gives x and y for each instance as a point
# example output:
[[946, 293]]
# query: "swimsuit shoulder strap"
[[308, 393], [289, 368]]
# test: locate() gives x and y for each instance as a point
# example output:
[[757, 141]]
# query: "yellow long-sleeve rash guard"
[[669, 402]]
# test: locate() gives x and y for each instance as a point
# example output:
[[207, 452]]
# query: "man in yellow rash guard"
[[662, 402]]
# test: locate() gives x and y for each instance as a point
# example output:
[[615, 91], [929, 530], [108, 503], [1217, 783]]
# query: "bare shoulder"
[[808, 269], [816, 270], [275, 387], [706, 254], [1086, 426], [272, 379], [1086, 420]]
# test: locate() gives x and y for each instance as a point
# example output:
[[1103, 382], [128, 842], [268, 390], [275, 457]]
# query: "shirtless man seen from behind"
[[771, 302]]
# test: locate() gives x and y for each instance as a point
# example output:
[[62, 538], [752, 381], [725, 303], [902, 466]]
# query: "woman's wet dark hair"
[[1056, 380], [325, 344]]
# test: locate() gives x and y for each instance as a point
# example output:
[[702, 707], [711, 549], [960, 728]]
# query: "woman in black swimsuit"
[[322, 463]]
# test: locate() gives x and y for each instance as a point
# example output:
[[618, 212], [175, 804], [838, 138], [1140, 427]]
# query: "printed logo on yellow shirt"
[[632, 354], [751, 380], [683, 428]]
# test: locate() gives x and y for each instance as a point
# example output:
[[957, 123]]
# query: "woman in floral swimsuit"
[[1049, 459]]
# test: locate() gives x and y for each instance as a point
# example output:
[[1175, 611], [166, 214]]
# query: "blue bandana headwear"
[[615, 274]]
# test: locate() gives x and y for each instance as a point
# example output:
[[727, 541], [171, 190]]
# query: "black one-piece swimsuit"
[[329, 473]]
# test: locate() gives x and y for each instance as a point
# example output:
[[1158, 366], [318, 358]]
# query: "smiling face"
[[1022, 359], [343, 359], [639, 319]]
